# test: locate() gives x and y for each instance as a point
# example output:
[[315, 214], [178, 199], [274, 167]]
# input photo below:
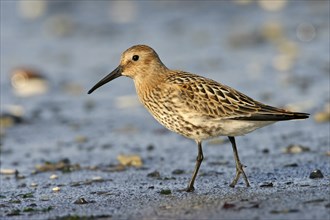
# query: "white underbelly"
[[224, 127], [239, 127]]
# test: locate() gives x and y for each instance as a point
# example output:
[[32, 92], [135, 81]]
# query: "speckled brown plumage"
[[192, 105]]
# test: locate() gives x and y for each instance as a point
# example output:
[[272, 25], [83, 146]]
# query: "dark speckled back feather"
[[216, 100]]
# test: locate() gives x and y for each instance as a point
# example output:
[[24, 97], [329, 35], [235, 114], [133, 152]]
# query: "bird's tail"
[[269, 113]]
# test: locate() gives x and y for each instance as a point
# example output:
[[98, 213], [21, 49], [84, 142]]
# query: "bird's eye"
[[135, 58]]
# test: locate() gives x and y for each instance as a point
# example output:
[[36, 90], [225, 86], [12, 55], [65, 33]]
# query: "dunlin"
[[193, 106]]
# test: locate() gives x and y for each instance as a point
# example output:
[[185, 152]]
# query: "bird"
[[194, 106]]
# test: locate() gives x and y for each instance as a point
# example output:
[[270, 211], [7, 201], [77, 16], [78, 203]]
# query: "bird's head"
[[139, 63]]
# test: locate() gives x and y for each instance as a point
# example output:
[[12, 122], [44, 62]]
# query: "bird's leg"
[[239, 166], [199, 160]]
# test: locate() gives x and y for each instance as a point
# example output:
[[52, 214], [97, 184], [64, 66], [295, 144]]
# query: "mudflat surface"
[[64, 153]]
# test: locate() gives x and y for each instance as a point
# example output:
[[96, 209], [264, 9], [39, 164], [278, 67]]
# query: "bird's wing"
[[215, 100]]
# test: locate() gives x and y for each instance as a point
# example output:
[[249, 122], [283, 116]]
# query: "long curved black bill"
[[111, 76]]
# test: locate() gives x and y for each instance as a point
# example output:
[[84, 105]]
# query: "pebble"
[[227, 205], [130, 160], [28, 82], [97, 179], [316, 174], [295, 149], [56, 189], [265, 151], [44, 198], [177, 172], [284, 211], [150, 147], [8, 171], [291, 165], [154, 174], [81, 201], [165, 192], [324, 115], [54, 176], [7, 120], [34, 185], [266, 184]]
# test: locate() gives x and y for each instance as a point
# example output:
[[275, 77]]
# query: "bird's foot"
[[188, 189], [239, 171]]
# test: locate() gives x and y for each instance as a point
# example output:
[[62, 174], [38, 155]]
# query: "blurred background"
[[53, 52]]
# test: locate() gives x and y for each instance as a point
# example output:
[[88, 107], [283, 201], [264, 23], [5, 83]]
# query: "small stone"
[[8, 171], [265, 151], [154, 174], [34, 185], [28, 209], [54, 176], [284, 211], [21, 185], [16, 201], [44, 198], [81, 201], [97, 179], [316, 174], [14, 212], [150, 147], [291, 165], [295, 149], [228, 205], [27, 195], [165, 192], [28, 82], [323, 116], [266, 184], [177, 172], [130, 160], [56, 189], [9, 119]]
